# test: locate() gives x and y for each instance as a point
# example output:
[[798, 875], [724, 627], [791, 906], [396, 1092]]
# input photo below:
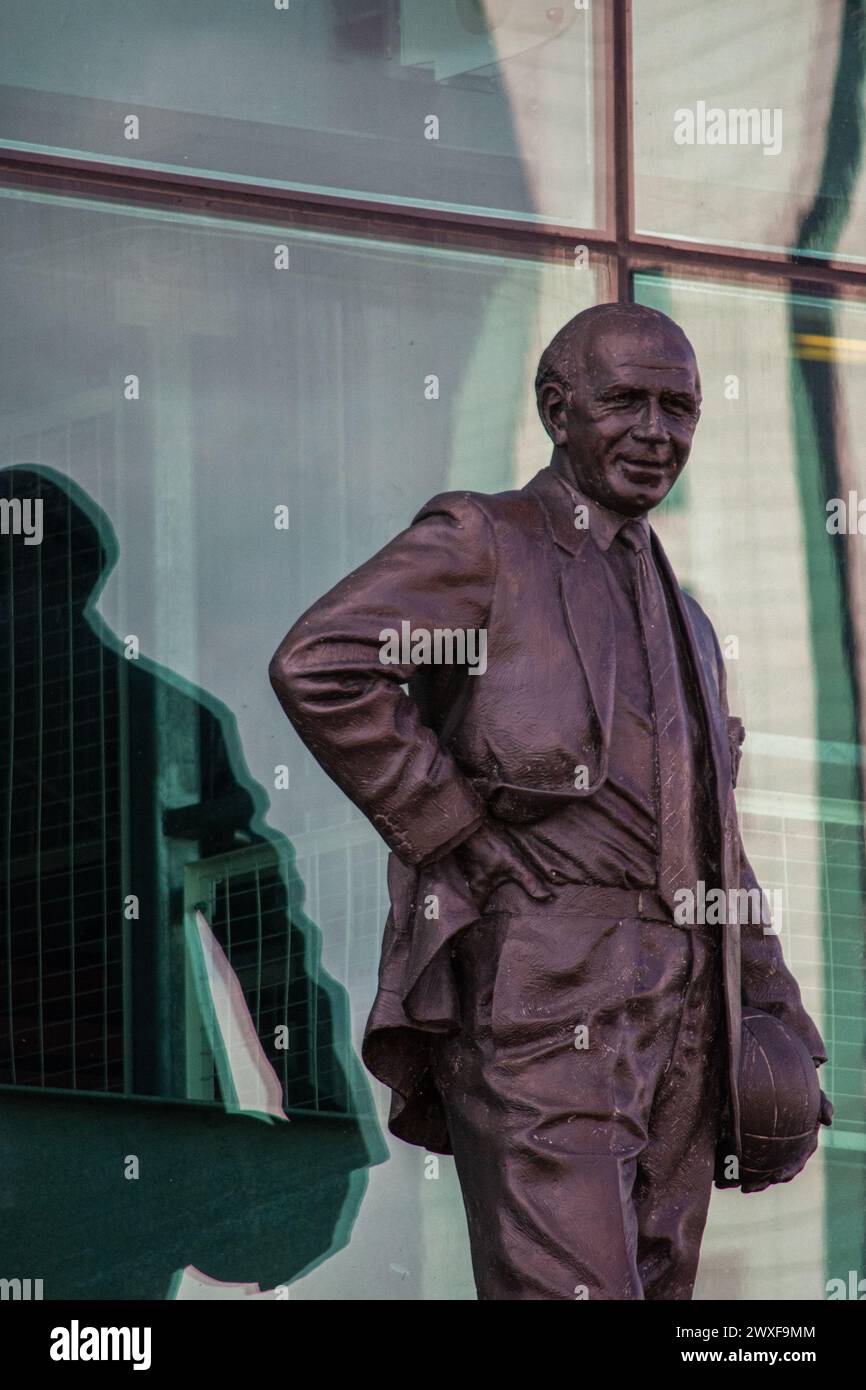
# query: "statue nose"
[[651, 427]]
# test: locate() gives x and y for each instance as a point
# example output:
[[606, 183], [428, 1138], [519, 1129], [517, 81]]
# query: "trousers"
[[583, 1094]]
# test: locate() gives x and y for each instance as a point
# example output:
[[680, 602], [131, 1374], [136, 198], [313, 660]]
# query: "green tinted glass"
[[771, 538], [748, 125], [491, 106], [220, 420]]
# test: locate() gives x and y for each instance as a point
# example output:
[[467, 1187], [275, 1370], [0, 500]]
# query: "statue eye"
[[676, 405]]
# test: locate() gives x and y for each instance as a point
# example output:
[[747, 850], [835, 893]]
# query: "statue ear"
[[552, 405]]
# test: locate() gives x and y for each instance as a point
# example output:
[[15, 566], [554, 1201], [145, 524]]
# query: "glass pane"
[[489, 106], [760, 542], [748, 125], [220, 420]]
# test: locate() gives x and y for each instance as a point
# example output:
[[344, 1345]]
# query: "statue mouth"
[[654, 466]]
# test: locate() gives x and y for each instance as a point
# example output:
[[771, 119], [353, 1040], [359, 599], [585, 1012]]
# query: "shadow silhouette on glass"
[[127, 811]]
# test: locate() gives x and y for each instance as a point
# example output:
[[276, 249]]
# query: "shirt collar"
[[604, 525]]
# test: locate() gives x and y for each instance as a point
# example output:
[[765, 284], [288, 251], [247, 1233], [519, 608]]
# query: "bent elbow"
[[277, 670], [284, 670]]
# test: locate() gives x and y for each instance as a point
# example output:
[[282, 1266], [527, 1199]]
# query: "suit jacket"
[[427, 766]]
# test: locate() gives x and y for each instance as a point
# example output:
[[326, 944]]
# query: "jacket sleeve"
[[348, 705], [766, 981]]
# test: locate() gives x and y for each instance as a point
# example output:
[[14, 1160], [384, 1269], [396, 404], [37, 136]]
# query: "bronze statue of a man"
[[546, 1010]]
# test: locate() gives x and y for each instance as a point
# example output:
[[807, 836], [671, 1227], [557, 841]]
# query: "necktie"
[[678, 860]]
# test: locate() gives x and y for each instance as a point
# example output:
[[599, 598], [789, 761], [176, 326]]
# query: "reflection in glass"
[[96, 969], [340, 393], [95, 995], [756, 124], [492, 106], [782, 407]]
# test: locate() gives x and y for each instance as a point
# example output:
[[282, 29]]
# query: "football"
[[780, 1097]]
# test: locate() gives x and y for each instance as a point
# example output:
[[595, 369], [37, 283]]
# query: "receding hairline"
[[560, 358]]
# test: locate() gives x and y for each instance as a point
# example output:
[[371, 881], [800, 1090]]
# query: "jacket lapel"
[[719, 746], [720, 753], [586, 604]]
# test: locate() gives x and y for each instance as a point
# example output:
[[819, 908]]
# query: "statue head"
[[619, 394]]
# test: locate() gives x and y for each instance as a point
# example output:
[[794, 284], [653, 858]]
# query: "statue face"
[[627, 423]]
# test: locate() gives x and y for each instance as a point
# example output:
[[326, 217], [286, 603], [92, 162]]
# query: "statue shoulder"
[[495, 509], [699, 619]]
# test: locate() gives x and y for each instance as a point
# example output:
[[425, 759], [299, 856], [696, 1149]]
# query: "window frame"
[[616, 243], [617, 240]]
